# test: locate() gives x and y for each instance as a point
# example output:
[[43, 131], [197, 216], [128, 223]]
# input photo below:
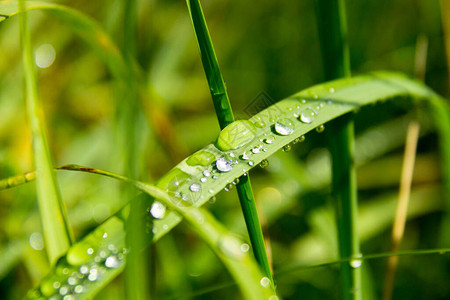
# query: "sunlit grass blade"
[[57, 234], [225, 117], [332, 23]]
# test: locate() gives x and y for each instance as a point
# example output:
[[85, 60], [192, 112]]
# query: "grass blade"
[[225, 117], [336, 57], [57, 234]]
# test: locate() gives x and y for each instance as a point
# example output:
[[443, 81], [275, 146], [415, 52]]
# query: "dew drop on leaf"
[[287, 148], [320, 128], [223, 165], [245, 156], [284, 127], [264, 163], [158, 210], [112, 262], [195, 187], [307, 116], [265, 282], [236, 135]]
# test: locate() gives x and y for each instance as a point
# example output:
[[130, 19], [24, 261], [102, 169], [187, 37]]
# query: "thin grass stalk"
[[56, 231], [412, 138], [225, 117], [331, 18], [138, 267]]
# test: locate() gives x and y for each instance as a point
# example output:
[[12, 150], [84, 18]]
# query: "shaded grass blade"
[[225, 117], [331, 19], [57, 234]]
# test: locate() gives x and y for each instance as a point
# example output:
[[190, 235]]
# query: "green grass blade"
[[331, 19], [57, 234], [225, 117], [210, 65]]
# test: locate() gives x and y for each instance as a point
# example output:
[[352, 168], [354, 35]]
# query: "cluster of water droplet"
[[82, 267]]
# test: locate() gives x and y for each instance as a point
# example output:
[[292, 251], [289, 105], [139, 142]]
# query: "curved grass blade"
[[99, 257], [328, 101], [56, 230], [225, 117]]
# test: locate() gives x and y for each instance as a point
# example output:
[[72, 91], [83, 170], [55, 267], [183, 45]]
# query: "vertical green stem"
[[225, 116], [57, 234], [137, 269], [331, 20]]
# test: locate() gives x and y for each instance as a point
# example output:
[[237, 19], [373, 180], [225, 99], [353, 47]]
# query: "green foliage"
[[161, 103]]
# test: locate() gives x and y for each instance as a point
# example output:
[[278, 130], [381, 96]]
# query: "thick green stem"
[[57, 234], [225, 117], [331, 20]]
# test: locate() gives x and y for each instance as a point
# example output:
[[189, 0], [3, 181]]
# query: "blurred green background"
[[268, 46]]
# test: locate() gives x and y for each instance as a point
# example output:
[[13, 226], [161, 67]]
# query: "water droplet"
[[331, 90], [215, 177], [68, 297], [211, 191], [307, 116], [256, 149], [84, 269], [268, 141], [195, 187], [36, 241], [236, 135], [284, 127], [223, 165], [230, 246], [265, 282], [299, 139], [287, 148], [356, 263], [264, 163], [251, 163], [105, 235], [63, 290], [201, 158], [320, 128], [229, 187], [203, 179], [112, 262], [93, 274], [316, 96], [72, 280], [244, 248], [79, 289], [206, 173], [56, 285], [212, 200], [245, 156], [236, 181], [44, 56], [90, 251], [158, 210]]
